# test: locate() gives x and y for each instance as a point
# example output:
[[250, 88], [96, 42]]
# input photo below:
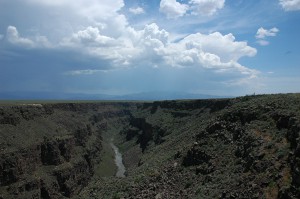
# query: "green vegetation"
[[107, 165]]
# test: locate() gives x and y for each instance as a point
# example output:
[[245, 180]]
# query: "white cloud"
[[13, 37], [137, 10], [91, 9], [152, 32], [90, 28], [224, 45], [151, 46], [115, 43], [172, 8], [290, 5], [42, 41], [262, 42], [64, 16], [83, 72], [262, 33], [89, 37], [206, 7], [217, 52], [214, 51], [91, 42]]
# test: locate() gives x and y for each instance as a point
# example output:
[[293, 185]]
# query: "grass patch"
[[107, 166]]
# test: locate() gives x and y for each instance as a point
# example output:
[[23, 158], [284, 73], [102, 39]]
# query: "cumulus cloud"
[[98, 34], [214, 51], [109, 38], [147, 44], [172, 8], [90, 9], [137, 10], [262, 34], [64, 16], [152, 47], [224, 45], [153, 32], [290, 5], [91, 42], [88, 37], [13, 37], [206, 7]]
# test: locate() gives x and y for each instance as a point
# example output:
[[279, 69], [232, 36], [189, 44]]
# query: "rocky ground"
[[245, 147]]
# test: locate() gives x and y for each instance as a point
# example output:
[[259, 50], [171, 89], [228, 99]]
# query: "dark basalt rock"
[[195, 156], [50, 153]]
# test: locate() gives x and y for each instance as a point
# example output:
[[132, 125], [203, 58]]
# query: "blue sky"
[[216, 47]]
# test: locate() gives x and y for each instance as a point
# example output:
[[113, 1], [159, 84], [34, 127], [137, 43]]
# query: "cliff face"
[[50, 150], [44, 170]]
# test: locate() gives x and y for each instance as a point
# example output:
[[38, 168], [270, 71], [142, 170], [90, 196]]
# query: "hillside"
[[245, 147]]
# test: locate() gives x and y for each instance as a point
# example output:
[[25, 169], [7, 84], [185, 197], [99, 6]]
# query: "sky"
[[215, 47]]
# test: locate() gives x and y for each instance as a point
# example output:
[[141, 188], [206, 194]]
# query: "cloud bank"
[[152, 47], [88, 40]]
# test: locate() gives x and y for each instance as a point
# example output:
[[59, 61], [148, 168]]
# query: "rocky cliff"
[[50, 150]]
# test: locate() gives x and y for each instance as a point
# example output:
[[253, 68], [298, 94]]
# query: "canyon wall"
[[50, 150]]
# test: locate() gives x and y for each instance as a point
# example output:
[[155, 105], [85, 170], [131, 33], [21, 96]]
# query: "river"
[[119, 162]]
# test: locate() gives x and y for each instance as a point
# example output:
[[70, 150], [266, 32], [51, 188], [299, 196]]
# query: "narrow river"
[[119, 162]]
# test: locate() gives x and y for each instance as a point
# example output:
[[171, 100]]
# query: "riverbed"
[[119, 162]]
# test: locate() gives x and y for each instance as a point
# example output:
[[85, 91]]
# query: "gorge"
[[245, 147]]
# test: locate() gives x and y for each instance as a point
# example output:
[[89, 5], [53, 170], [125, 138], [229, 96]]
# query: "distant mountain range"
[[166, 96], [159, 95]]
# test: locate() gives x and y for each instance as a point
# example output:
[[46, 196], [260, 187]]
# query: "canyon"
[[244, 147]]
